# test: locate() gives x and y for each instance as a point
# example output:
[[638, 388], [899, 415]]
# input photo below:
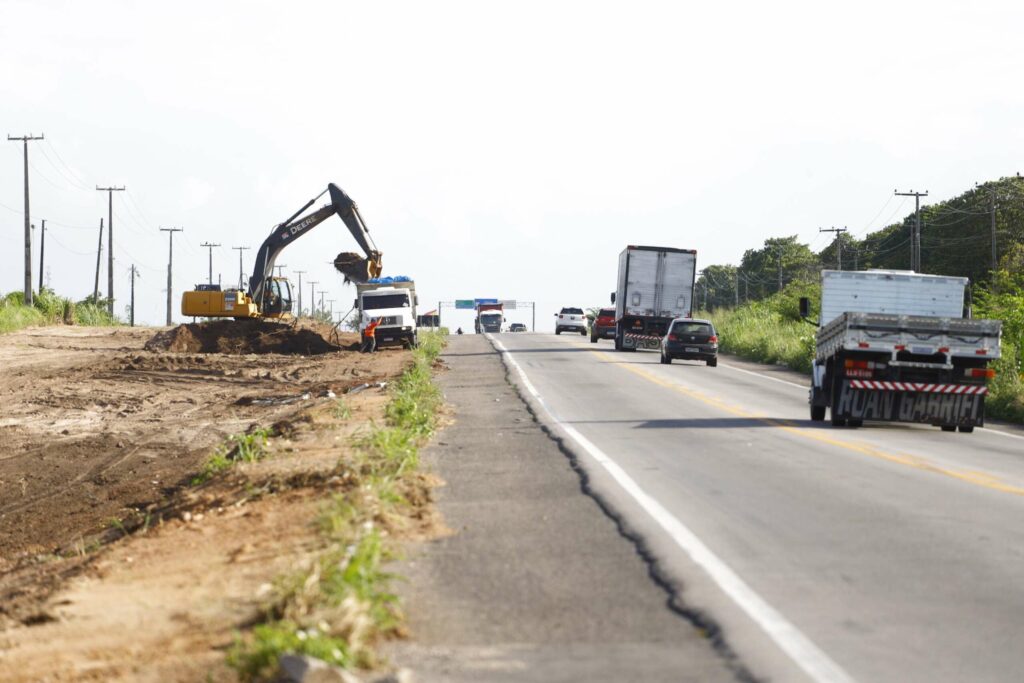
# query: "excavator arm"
[[356, 269]]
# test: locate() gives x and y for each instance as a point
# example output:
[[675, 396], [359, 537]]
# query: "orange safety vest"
[[371, 328]]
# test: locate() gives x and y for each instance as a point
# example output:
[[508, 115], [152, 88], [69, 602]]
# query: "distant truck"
[[655, 286], [489, 318], [392, 301], [895, 346]]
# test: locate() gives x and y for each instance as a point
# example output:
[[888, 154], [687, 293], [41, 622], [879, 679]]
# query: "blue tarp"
[[389, 280]]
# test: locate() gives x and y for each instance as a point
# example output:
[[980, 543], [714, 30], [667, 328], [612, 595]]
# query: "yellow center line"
[[975, 478]]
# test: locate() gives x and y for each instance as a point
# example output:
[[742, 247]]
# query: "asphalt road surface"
[[886, 553]]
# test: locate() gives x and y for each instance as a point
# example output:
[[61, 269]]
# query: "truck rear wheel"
[[817, 413], [966, 429], [948, 428]]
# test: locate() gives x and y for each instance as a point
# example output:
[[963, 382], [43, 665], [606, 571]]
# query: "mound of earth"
[[241, 336]]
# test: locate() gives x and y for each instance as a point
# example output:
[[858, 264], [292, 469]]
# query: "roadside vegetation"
[[340, 605], [50, 309]]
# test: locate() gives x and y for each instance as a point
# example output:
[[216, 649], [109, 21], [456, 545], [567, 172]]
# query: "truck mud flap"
[[641, 341], [921, 406]]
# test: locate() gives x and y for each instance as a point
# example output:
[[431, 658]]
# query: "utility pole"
[[42, 253], [132, 318], [170, 265], [110, 242], [300, 272], [331, 302], [322, 292], [210, 247], [96, 284], [25, 139], [312, 299], [241, 283], [839, 244], [280, 269], [780, 269], [737, 288], [992, 214], [915, 240]]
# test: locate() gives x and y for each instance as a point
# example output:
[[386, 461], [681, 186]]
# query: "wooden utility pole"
[[280, 269], [312, 299], [42, 253], [96, 284], [992, 216], [132, 315], [170, 268], [110, 243], [210, 247], [25, 139], [915, 239], [241, 282], [331, 302], [299, 314], [839, 244]]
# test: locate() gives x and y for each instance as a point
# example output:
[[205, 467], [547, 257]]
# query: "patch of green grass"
[[49, 309], [339, 606], [238, 448], [341, 410]]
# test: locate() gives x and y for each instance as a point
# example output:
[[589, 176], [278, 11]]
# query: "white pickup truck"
[[894, 346]]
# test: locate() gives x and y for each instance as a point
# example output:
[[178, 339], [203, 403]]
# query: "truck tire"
[[855, 422], [966, 429], [817, 413], [948, 428], [558, 330]]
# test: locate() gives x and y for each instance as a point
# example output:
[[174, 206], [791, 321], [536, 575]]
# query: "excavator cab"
[[277, 298]]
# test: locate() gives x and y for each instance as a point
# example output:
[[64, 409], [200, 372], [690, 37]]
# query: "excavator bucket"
[[355, 268]]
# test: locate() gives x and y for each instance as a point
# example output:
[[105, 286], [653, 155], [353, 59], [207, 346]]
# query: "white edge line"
[[805, 387], [814, 662], [987, 430]]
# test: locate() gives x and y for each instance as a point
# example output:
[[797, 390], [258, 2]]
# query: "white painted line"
[[815, 663], [805, 387]]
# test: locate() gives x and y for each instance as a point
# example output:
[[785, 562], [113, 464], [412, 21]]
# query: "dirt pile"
[[354, 267], [242, 336]]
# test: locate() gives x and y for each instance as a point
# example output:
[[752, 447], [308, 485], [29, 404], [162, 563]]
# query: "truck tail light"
[[943, 349], [981, 352], [864, 345], [900, 347], [987, 373], [857, 364]]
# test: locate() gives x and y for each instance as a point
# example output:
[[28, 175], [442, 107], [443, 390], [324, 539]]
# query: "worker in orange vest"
[[370, 336]]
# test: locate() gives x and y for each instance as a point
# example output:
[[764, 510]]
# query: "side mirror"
[[613, 297], [805, 307]]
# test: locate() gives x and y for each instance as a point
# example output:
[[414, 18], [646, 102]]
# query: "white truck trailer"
[[393, 304], [654, 286], [895, 346]]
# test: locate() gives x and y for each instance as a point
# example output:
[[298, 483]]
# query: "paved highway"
[[886, 553]]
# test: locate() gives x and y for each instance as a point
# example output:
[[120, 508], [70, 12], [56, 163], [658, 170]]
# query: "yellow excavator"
[[271, 297]]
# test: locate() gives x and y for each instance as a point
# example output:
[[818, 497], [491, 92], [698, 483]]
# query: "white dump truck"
[[392, 302], [896, 346], [654, 286]]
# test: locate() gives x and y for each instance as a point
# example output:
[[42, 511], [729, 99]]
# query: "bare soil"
[[101, 439]]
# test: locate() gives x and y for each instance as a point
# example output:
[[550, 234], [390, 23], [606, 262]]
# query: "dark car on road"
[[604, 325], [517, 327], [690, 339]]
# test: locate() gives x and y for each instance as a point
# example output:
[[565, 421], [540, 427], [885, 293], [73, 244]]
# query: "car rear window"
[[606, 313], [575, 311], [692, 328]]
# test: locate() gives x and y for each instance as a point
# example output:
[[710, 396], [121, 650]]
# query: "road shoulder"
[[536, 582]]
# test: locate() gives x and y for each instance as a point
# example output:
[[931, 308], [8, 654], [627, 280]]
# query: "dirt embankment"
[[102, 436]]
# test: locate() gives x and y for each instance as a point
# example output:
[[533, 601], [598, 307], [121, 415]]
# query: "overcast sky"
[[495, 150]]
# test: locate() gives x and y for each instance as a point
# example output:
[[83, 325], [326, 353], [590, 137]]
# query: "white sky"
[[494, 150]]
